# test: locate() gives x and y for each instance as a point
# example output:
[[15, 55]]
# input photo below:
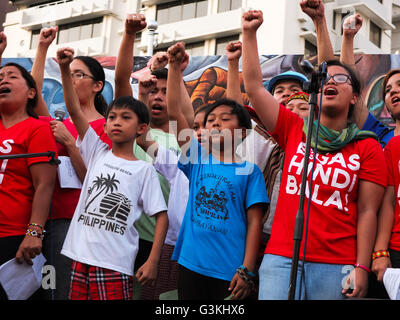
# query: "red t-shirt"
[[392, 155], [16, 188], [64, 200], [332, 231]]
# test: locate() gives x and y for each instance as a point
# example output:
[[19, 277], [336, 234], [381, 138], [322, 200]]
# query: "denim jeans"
[[321, 281], [56, 231]]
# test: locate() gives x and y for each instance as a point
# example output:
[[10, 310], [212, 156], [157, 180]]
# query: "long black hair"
[[97, 71], [31, 83]]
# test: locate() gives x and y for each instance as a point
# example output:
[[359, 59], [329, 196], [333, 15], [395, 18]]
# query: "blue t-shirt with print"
[[383, 132], [212, 237]]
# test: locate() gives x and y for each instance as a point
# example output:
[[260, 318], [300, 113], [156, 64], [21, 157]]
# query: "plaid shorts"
[[95, 283]]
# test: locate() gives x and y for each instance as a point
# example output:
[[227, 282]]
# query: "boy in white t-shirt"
[[102, 240]]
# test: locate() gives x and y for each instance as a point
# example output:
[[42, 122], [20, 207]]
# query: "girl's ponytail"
[[100, 104]]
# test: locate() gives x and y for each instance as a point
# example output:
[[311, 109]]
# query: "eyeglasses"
[[81, 75], [339, 78]]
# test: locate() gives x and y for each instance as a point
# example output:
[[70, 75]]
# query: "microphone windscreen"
[[59, 114], [307, 66]]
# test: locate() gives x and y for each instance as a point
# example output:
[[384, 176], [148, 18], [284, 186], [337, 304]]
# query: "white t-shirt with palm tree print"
[[114, 194]]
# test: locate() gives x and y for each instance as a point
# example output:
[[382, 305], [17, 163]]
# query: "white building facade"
[[95, 27], [91, 27]]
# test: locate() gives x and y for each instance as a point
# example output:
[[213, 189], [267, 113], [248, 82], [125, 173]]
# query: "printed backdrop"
[[206, 77]]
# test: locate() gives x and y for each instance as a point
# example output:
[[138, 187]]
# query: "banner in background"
[[206, 77]]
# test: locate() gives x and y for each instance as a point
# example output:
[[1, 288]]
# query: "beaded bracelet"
[[35, 225], [251, 274], [357, 265], [380, 253], [242, 274], [34, 233]]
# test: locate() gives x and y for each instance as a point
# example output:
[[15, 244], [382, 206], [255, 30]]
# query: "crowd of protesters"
[[205, 208]]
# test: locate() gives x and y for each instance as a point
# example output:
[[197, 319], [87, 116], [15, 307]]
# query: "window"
[[375, 34], [189, 10], [79, 30], [309, 50], [181, 10], [73, 32], [334, 20], [35, 39], [138, 39], [195, 48], [174, 14], [343, 17], [221, 44], [86, 31], [46, 2], [97, 28], [201, 8], [192, 49], [162, 15], [227, 5], [62, 35]]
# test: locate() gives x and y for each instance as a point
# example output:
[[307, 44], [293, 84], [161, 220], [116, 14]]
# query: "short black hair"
[[161, 73], [241, 113], [202, 108], [136, 106]]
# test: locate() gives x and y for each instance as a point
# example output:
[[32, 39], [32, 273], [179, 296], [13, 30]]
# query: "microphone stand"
[[312, 87], [50, 154]]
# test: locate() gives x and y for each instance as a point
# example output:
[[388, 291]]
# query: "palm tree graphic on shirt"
[[102, 185]]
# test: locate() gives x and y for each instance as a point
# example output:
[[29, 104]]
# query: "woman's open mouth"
[[330, 91], [5, 90]]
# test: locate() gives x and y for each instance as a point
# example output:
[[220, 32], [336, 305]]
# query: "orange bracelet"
[[380, 253]]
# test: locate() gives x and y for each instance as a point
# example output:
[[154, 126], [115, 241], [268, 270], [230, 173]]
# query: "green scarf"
[[331, 140]]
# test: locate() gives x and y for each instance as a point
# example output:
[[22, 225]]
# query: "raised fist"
[[233, 50], [65, 56], [147, 83], [352, 24], [47, 35], [177, 54], [252, 20], [159, 60], [313, 8], [3, 42], [135, 23]]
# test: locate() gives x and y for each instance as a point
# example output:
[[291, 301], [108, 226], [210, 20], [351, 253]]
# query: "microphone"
[[307, 66], [317, 75], [323, 70], [59, 114], [308, 69]]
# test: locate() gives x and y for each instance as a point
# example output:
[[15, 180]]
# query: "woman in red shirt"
[[26, 184], [387, 245], [348, 185]]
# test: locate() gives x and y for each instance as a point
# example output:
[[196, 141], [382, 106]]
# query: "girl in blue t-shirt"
[[218, 242]]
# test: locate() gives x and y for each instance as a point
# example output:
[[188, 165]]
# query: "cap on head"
[[285, 76]]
